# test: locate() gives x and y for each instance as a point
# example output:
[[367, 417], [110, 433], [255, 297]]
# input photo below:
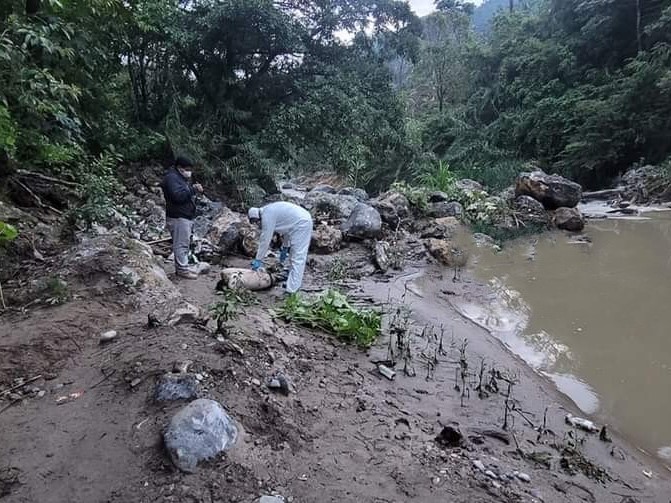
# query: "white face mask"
[[186, 174]]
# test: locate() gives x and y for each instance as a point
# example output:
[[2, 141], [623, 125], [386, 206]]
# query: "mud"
[[345, 434]]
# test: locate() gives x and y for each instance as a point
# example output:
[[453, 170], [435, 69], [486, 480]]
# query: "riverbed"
[[593, 314]]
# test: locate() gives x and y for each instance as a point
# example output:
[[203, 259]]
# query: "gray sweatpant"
[[180, 230]]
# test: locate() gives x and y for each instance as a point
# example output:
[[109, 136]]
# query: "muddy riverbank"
[[345, 433]]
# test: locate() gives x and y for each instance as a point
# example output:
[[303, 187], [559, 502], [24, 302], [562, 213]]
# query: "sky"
[[424, 7]]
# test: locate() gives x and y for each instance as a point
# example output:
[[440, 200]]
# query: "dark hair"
[[183, 162]]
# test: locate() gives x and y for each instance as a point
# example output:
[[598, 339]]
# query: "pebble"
[[270, 499], [479, 465], [184, 346], [496, 484], [108, 336], [524, 477], [436, 481], [491, 474], [256, 382], [199, 377], [41, 393]]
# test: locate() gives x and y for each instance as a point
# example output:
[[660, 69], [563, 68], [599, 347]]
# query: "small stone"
[[491, 474], [108, 336], [436, 481], [279, 383], [59, 386], [270, 499], [496, 484], [256, 382], [199, 377], [172, 387], [523, 477], [41, 393], [184, 346], [479, 465]]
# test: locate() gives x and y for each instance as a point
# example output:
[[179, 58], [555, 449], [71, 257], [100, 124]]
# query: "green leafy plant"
[[331, 311], [57, 291], [8, 233], [230, 306], [439, 177]]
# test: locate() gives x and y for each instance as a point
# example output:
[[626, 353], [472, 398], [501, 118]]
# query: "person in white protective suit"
[[294, 224]]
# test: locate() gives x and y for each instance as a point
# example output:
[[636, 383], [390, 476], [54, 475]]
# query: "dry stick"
[[2, 298], [37, 198], [105, 379], [13, 388], [158, 241], [23, 172]]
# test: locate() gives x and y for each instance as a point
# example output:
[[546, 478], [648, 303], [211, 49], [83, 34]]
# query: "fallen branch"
[[37, 198], [14, 388], [40, 176], [602, 194], [158, 241]]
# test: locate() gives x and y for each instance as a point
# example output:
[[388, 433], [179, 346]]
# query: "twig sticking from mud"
[[543, 430], [463, 367], [107, 376], [512, 381], [481, 375], [14, 388], [441, 348]]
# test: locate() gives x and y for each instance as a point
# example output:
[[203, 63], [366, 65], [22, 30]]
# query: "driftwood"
[[602, 194], [624, 211], [13, 388]]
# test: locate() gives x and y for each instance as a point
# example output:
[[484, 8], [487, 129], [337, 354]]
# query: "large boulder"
[[249, 238], [393, 207], [646, 184], [224, 231], [333, 206], [360, 194], [364, 222], [569, 219], [445, 209], [553, 191], [531, 211], [198, 432], [326, 239]]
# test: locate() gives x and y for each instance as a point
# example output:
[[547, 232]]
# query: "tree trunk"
[[638, 25], [32, 7], [511, 6]]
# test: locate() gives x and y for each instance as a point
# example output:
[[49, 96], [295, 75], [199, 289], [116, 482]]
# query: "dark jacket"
[[179, 196]]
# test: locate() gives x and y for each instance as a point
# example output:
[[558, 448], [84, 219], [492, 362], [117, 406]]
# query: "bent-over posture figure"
[[294, 224]]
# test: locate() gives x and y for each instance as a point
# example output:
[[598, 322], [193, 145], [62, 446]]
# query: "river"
[[594, 316]]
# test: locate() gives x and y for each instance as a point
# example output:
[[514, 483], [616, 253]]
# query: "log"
[[599, 195]]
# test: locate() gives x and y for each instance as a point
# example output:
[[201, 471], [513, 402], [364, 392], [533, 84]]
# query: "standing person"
[[180, 210], [294, 224]]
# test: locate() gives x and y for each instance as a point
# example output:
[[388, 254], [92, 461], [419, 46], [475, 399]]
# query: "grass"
[[331, 311]]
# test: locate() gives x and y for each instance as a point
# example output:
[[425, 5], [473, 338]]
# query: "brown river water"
[[594, 317]]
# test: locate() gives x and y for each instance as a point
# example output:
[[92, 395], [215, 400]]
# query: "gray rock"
[[531, 211], [364, 222], [393, 208], [469, 185], [328, 189], [172, 387], [279, 383], [382, 259], [198, 432], [646, 184], [553, 191], [440, 228], [438, 197], [334, 206], [445, 209], [288, 186], [360, 194], [108, 336], [569, 219], [270, 499], [224, 230]]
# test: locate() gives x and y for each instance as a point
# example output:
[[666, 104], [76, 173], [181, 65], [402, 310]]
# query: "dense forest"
[[256, 90]]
